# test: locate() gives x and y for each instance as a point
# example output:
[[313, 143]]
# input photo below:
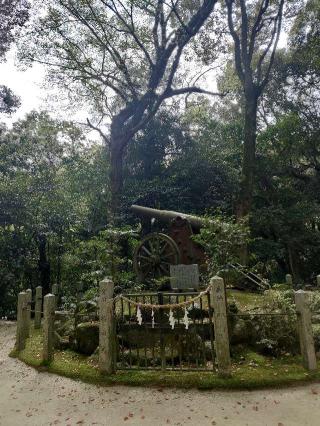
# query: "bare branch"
[[192, 89], [236, 40], [131, 28], [271, 60], [255, 29], [244, 37], [267, 49], [103, 135]]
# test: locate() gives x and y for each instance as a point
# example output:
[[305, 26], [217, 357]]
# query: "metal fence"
[[155, 344]]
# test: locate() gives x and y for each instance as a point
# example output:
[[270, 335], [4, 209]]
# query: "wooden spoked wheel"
[[154, 255]]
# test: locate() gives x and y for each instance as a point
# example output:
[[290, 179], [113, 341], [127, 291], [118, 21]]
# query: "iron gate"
[[155, 344]]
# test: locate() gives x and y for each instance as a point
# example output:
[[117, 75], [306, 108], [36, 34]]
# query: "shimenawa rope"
[[168, 305]]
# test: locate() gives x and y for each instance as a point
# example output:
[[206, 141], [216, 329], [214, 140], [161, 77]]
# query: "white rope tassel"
[[152, 318], [172, 319], [186, 319], [139, 315]]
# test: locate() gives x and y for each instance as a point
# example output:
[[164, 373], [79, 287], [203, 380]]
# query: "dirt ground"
[[39, 399]]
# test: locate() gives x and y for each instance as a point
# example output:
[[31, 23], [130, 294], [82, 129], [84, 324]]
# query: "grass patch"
[[249, 371], [245, 300]]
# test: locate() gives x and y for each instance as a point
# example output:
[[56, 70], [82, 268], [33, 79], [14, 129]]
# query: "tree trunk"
[[43, 264], [248, 165], [294, 264], [249, 156], [116, 177]]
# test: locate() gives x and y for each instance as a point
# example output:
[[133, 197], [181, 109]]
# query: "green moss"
[[245, 301], [249, 371]]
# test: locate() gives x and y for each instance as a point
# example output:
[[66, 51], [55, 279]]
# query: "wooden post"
[[21, 320], [318, 280], [305, 330], [218, 302], [106, 328], [48, 327], [289, 280], [38, 307], [28, 317]]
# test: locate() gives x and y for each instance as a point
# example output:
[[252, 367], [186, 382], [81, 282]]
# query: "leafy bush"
[[86, 262], [316, 336], [277, 333], [222, 238], [270, 334], [314, 302]]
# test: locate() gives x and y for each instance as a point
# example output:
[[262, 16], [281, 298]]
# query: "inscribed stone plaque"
[[184, 276]]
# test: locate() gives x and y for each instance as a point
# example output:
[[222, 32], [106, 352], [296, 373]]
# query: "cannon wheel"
[[154, 255]]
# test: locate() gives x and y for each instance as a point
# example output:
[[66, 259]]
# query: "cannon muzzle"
[[166, 216]]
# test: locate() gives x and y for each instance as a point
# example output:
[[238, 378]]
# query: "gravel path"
[[39, 399]]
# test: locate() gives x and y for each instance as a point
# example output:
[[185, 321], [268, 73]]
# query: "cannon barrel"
[[166, 216]]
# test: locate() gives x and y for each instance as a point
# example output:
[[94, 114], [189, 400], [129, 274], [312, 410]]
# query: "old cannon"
[[171, 246]]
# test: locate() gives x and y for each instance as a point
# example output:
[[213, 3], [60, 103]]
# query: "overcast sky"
[[26, 84], [29, 86]]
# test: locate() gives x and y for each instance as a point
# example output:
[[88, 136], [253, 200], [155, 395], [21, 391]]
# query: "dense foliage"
[[55, 190]]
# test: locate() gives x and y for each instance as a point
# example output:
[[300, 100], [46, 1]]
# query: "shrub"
[[270, 334], [86, 262], [222, 239], [278, 333]]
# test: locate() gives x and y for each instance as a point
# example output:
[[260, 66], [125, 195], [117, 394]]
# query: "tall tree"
[[163, 164], [255, 28], [125, 54], [13, 15]]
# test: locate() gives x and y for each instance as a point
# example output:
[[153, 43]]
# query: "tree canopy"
[[127, 66], [146, 71], [13, 15]]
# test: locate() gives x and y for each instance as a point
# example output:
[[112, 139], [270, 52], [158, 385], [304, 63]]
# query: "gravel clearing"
[[28, 397]]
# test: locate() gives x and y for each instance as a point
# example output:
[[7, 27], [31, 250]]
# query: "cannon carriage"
[[173, 245]]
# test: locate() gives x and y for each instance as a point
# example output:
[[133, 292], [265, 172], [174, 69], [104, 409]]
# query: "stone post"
[[48, 327], [38, 307], [219, 305], [21, 321], [28, 322], [107, 336], [305, 330], [318, 280], [289, 280]]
